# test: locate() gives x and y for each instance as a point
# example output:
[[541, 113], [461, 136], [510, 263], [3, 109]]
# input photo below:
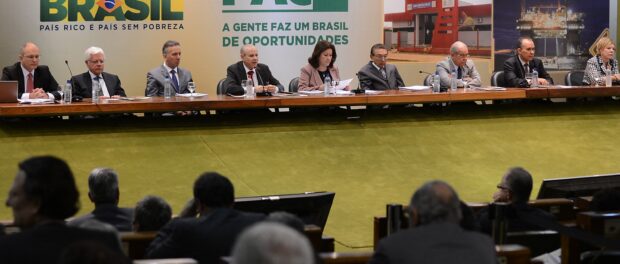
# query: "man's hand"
[[38, 93], [543, 81]]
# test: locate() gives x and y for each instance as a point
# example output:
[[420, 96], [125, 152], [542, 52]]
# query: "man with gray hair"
[[436, 236], [103, 192], [110, 84], [272, 243], [179, 77], [459, 64]]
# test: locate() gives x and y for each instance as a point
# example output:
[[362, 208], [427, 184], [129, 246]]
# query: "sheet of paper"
[[343, 84], [415, 88]]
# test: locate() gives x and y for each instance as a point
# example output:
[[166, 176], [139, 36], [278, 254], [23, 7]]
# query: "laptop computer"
[[8, 91]]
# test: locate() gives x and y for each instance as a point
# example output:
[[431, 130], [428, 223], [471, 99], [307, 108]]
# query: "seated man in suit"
[[103, 192], [377, 74], [458, 62], [42, 196], [83, 83], [249, 68], [524, 62], [211, 235], [34, 80], [436, 236], [515, 189], [179, 77]]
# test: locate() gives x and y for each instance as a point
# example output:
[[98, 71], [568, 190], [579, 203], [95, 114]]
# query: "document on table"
[[192, 94], [491, 88], [343, 84], [311, 92], [415, 88], [36, 101]]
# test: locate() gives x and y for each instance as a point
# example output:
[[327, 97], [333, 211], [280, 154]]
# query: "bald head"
[[436, 202], [249, 56], [459, 53], [29, 56]]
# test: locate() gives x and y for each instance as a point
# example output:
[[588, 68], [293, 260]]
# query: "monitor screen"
[[311, 207], [577, 186]]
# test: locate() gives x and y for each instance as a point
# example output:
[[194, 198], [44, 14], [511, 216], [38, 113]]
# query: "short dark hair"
[[436, 202], [103, 186], [286, 219], [607, 199], [50, 181], [168, 44], [212, 189], [375, 47], [152, 213], [520, 41], [519, 183], [319, 48]]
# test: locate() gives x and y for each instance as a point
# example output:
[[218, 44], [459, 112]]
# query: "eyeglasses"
[[501, 187], [32, 57], [381, 56], [96, 61], [463, 55]]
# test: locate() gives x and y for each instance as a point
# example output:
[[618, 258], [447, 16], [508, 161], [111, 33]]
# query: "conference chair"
[[574, 78], [428, 80], [293, 85], [497, 79], [221, 90]]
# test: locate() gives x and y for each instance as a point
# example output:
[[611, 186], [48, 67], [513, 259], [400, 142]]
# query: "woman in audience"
[[320, 66], [603, 61]]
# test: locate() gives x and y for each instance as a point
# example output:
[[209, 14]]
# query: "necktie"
[[100, 92], [175, 81], [526, 67], [30, 84], [459, 73], [251, 75], [383, 73]]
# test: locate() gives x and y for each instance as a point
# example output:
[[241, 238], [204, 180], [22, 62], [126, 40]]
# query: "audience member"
[[34, 80], [92, 253], [110, 84], [607, 199], [179, 77], [151, 214], [524, 62], [320, 66], [460, 63], [211, 235], [377, 74], [43, 195], [286, 219], [249, 68], [604, 60], [436, 236], [272, 243], [515, 189], [104, 193]]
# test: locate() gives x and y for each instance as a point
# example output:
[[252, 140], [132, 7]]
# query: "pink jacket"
[[309, 78]]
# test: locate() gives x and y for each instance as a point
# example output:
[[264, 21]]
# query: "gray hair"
[[152, 213], [103, 185], [272, 243], [168, 44], [92, 51], [519, 183], [454, 49], [436, 202], [244, 47]]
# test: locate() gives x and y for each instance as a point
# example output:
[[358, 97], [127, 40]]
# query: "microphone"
[[68, 67], [427, 73], [359, 89], [75, 97]]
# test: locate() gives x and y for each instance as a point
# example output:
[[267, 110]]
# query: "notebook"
[[8, 91]]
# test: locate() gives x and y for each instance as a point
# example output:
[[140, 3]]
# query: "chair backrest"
[[293, 86], [221, 90], [574, 78], [497, 79], [428, 80], [539, 242]]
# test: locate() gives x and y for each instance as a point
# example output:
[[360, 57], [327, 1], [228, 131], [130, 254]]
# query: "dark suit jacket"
[[83, 85], [514, 73], [514, 217], [45, 243], [372, 79], [204, 239], [121, 218], [435, 243], [42, 79], [236, 73]]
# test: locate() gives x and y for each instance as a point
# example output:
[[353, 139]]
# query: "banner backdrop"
[[211, 32]]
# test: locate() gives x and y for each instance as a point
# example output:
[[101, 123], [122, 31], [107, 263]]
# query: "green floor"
[[377, 159]]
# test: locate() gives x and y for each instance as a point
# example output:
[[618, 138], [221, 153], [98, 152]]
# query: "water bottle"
[[436, 83], [67, 93], [607, 77], [453, 81], [95, 92], [167, 88], [534, 79], [327, 88]]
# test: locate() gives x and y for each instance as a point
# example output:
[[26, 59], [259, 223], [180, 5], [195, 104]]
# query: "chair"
[[221, 90], [428, 80], [497, 79], [293, 85], [574, 78]]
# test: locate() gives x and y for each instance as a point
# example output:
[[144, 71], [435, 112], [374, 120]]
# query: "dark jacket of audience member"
[[436, 236], [151, 214], [211, 235], [43, 195], [104, 193], [607, 199]]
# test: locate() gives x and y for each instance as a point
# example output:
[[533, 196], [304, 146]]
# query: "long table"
[[222, 102]]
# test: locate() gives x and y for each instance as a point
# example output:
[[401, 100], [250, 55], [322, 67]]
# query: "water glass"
[[191, 86], [528, 78], [248, 87]]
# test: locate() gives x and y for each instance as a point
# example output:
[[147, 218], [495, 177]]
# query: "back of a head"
[[103, 186], [286, 219], [50, 181], [213, 190], [607, 199], [519, 182], [272, 243], [151, 213], [436, 202]]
